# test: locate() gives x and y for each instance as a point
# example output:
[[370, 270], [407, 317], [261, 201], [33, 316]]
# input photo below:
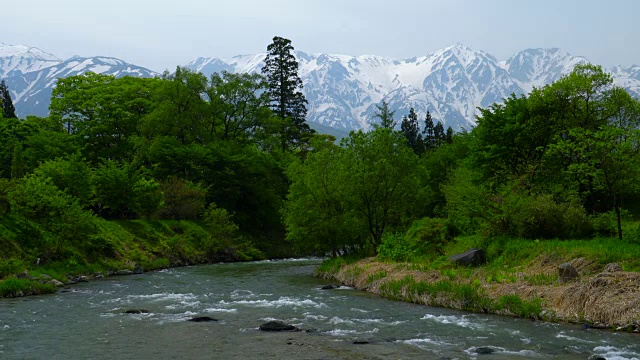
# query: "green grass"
[[379, 275], [470, 297], [14, 287], [117, 245]]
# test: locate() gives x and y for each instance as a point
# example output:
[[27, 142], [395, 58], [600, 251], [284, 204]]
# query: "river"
[[88, 322]]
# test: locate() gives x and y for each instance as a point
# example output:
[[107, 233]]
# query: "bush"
[[425, 238], [538, 217], [605, 224], [10, 267]]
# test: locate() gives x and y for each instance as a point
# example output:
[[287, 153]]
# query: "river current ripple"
[[88, 322]]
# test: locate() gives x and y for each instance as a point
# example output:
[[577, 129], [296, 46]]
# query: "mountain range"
[[342, 90]]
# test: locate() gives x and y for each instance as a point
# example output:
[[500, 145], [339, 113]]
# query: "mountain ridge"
[[342, 90]]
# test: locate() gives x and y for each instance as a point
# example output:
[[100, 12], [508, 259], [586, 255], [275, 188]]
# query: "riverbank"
[[126, 247], [520, 279]]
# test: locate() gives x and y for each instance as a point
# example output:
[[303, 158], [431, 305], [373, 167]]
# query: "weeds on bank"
[[470, 297], [14, 287]]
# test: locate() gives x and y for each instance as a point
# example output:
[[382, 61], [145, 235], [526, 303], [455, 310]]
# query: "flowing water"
[[87, 322]]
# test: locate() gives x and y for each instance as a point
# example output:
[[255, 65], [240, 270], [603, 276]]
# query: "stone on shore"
[[566, 273], [55, 283], [612, 267], [472, 257]]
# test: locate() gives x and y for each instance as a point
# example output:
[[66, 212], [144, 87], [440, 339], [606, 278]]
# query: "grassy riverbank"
[[520, 279], [119, 246]]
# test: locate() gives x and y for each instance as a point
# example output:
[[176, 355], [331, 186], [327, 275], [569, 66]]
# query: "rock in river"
[[277, 326], [484, 350], [136, 311], [330, 287], [202, 319]]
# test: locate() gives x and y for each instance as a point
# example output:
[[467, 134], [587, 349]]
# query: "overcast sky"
[[161, 34]]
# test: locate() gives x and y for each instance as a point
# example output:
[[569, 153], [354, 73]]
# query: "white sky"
[[161, 34]]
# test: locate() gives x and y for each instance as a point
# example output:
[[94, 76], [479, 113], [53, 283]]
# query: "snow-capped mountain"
[[31, 74], [450, 83], [342, 90], [23, 59], [538, 67]]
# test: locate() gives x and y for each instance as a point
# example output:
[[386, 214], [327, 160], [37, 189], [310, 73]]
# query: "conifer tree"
[[438, 134], [8, 110], [284, 89], [385, 115], [411, 131], [448, 137], [429, 133]]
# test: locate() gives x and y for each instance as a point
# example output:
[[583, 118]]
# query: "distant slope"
[[342, 90]]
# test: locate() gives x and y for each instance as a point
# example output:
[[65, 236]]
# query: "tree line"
[[235, 151], [181, 146], [561, 162]]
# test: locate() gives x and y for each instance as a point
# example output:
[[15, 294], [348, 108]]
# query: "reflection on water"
[[89, 322]]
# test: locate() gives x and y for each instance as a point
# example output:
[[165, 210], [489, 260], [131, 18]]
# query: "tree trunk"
[[618, 215]]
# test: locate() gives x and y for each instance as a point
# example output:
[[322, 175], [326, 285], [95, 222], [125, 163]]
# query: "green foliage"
[[467, 203], [538, 217], [11, 266], [122, 191], [385, 115], [426, 238], [182, 199], [530, 309], [13, 287], [284, 89], [6, 104], [315, 214], [380, 180], [220, 223], [442, 293], [52, 219], [71, 175]]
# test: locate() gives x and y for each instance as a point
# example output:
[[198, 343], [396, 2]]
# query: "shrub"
[[425, 238], [605, 224], [538, 217]]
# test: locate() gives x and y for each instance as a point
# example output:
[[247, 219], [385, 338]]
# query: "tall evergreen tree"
[[8, 110], [385, 115], [284, 89], [448, 137], [429, 133], [438, 134], [411, 131]]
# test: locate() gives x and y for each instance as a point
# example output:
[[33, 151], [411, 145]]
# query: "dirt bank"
[[598, 298]]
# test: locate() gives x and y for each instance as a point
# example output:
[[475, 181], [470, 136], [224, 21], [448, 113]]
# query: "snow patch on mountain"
[[342, 90]]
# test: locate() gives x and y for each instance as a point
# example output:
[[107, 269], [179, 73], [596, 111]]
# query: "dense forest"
[[194, 169]]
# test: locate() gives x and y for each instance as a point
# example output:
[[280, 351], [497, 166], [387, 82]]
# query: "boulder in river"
[[484, 350], [361, 342], [597, 357], [566, 273], [472, 257], [277, 325], [330, 287], [124, 272], [136, 311], [202, 319], [613, 267]]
